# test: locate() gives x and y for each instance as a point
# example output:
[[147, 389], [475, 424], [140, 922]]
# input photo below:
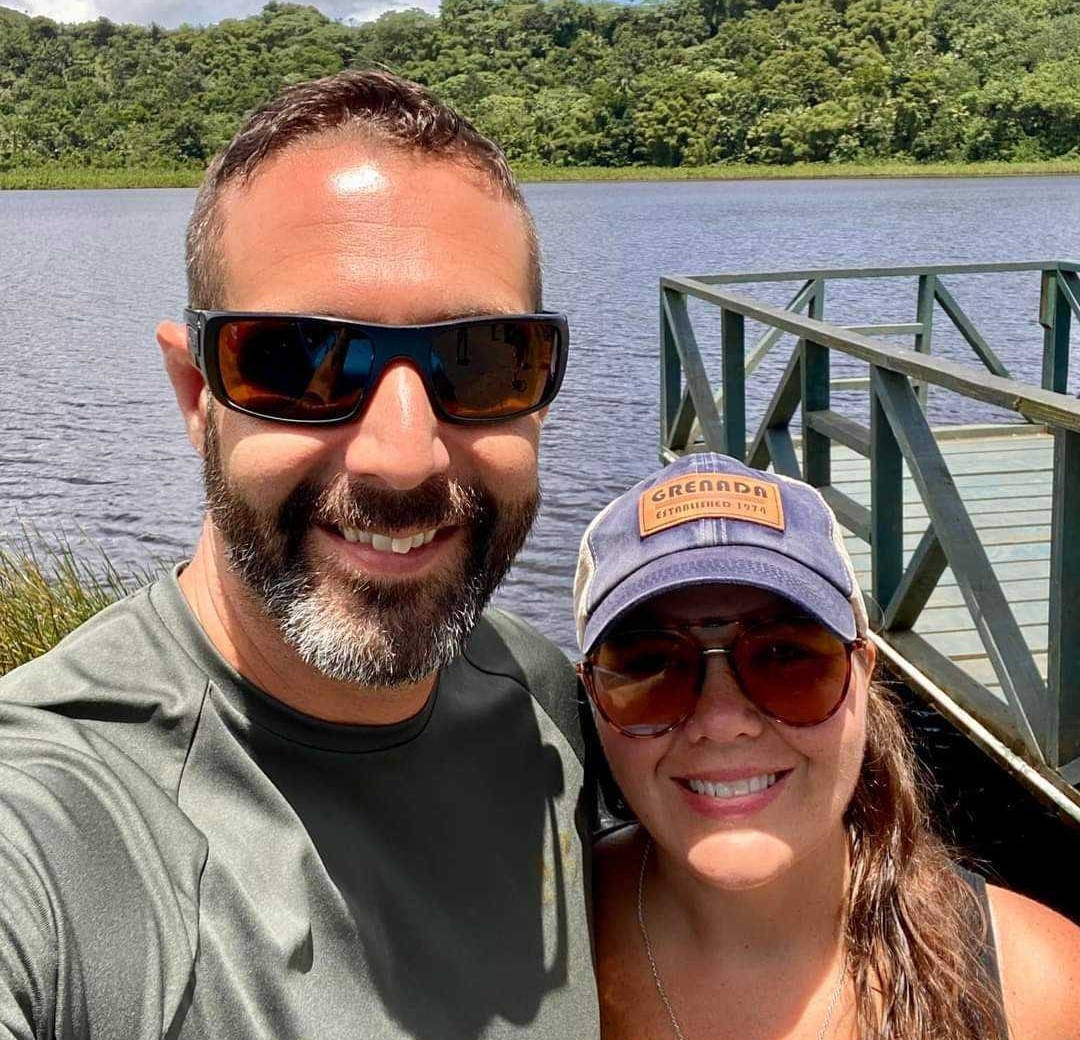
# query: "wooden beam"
[[1035, 404], [853, 273], [850, 383], [970, 694], [840, 428], [781, 451], [855, 517], [781, 408], [768, 339], [697, 380], [917, 584], [967, 329], [1069, 285], [907, 328]]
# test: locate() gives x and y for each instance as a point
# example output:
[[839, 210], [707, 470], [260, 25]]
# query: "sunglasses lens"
[[645, 682], [795, 670], [294, 369], [494, 370]]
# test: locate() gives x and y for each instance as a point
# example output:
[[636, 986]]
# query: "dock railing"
[[1036, 718]]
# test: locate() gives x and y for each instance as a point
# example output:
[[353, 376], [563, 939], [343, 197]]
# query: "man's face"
[[375, 544]]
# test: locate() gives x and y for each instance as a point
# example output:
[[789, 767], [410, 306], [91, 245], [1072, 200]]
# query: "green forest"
[[564, 83]]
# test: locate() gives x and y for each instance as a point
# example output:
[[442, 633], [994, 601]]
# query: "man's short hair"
[[373, 105]]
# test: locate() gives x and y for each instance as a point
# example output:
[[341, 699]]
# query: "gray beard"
[[347, 627]]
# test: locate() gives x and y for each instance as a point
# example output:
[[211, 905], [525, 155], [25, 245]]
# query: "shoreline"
[[62, 178]]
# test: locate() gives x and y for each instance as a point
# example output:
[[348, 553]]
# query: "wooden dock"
[[966, 540]]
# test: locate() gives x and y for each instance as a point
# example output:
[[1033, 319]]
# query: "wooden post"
[[886, 502], [925, 317], [817, 468], [670, 378], [1056, 318], [733, 346], [817, 448], [1063, 664]]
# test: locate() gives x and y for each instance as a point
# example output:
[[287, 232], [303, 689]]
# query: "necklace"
[[662, 993]]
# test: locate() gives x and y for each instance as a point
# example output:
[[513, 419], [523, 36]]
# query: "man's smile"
[[397, 543], [401, 552]]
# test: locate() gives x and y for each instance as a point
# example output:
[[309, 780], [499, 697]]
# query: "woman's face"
[[728, 837]]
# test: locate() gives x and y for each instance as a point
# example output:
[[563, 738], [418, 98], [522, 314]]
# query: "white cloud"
[[198, 12]]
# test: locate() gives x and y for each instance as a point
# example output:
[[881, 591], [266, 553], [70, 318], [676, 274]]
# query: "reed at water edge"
[[47, 591]]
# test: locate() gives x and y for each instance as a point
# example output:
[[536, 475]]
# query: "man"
[[301, 788]]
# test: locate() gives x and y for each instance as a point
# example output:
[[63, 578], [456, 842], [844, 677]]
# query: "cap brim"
[[726, 565]]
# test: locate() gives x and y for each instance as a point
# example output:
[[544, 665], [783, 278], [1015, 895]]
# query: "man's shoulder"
[[122, 667], [99, 870], [507, 645]]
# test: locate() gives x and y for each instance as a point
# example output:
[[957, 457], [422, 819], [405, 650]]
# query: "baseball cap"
[[710, 519]]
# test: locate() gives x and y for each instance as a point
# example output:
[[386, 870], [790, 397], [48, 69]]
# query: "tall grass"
[[47, 590]]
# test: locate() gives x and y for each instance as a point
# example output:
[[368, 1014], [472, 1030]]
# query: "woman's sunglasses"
[[304, 369], [647, 682]]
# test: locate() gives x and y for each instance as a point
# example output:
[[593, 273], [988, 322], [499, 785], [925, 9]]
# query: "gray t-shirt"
[[182, 856]]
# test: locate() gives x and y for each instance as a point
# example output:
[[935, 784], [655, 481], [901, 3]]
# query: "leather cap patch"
[[704, 496]]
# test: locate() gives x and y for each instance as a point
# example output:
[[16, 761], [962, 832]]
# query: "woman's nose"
[[723, 711]]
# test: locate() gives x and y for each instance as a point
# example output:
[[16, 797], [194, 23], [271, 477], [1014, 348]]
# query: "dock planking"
[[1004, 476]]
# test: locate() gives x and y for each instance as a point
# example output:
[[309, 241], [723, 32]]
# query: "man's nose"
[[723, 712], [398, 439]]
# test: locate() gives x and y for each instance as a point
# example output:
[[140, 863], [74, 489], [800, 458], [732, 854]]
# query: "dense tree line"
[[674, 82]]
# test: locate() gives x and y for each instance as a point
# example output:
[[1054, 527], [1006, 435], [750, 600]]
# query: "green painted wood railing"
[[1041, 718]]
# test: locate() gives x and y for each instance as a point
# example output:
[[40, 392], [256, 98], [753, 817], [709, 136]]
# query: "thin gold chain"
[[662, 993]]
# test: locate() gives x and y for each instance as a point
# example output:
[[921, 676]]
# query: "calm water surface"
[[93, 443]]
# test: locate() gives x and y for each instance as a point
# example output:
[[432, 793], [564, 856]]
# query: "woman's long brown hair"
[[914, 928]]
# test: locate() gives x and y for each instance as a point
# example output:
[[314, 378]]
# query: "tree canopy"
[[564, 82]]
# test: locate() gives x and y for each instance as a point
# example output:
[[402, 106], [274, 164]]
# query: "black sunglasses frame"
[[586, 667], [389, 342]]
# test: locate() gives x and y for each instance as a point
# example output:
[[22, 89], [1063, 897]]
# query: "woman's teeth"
[[387, 543], [736, 789]]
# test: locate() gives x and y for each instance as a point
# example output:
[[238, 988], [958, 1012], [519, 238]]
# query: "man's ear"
[[187, 381]]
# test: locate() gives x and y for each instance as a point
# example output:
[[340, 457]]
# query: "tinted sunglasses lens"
[[795, 670], [496, 369], [294, 369], [645, 683]]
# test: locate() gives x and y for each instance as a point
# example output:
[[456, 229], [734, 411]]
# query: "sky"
[[171, 13]]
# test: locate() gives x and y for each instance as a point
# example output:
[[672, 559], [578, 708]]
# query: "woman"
[[783, 881]]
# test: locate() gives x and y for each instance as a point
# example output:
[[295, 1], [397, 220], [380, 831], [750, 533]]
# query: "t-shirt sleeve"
[[98, 888], [27, 950]]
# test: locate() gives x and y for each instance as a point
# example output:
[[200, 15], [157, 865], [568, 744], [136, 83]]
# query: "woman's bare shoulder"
[[616, 843], [1039, 958], [614, 857]]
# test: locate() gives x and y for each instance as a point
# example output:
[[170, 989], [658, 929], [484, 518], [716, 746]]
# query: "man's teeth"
[[736, 789], [387, 543]]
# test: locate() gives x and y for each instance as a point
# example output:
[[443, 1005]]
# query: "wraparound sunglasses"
[[299, 368]]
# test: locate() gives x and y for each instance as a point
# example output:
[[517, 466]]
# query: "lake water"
[[93, 445]]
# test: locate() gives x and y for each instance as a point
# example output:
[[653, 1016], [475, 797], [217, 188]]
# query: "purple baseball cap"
[[709, 519]]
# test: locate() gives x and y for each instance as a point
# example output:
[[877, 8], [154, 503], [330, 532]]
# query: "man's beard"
[[349, 627]]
